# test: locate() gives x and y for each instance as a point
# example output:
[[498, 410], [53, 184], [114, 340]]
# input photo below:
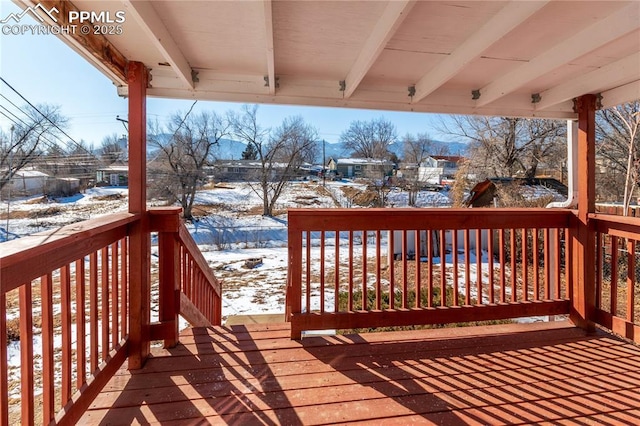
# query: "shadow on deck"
[[506, 374]]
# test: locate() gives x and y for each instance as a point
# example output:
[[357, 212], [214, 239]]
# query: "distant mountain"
[[229, 149], [337, 150]]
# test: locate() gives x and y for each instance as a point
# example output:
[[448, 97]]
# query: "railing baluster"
[[26, 354], [124, 288], [547, 270], [443, 269], [525, 264], [392, 278], [378, 270], [631, 278], [48, 392], [418, 270], [65, 313], [308, 269], [337, 272], [322, 258], [514, 270], [364, 272], [81, 356], [536, 264], [479, 266], [614, 275], [467, 268], [93, 310], [556, 271], [114, 294], [490, 265], [104, 296], [350, 278], [405, 278], [429, 268], [454, 248], [503, 283]]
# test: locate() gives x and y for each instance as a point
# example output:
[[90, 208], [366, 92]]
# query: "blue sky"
[[45, 70]]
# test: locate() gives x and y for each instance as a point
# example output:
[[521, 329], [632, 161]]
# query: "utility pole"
[[10, 154], [324, 165]]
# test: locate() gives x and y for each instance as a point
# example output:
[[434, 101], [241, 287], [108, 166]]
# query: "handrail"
[[78, 275], [32, 256], [379, 282], [617, 273]]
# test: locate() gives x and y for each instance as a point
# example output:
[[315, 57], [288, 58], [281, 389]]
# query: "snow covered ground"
[[230, 230]]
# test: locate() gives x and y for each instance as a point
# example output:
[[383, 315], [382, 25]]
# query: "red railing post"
[[294, 278], [167, 222], [583, 296], [140, 245]]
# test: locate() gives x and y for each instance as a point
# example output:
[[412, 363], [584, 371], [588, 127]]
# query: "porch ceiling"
[[506, 50]]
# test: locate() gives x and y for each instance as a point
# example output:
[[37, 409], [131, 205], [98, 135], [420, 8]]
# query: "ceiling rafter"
[[622, 70], [152, 25], [508, 18], [268, 27], [603, 31], [620, 95], [394, 13]]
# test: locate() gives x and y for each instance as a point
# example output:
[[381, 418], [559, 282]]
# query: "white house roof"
[[362, 161], [525, 58], [30, 174]]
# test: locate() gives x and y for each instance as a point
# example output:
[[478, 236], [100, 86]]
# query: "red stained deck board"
[[499, 375]]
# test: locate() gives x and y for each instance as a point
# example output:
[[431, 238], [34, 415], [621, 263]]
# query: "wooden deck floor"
[[509, 374]]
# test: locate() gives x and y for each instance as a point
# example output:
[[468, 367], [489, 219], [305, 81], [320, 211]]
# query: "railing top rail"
[[32, 256], [436, 218]]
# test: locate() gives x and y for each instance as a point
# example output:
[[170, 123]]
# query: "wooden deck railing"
[[382, 267], [71, 286], [187, 284], [617, 272]]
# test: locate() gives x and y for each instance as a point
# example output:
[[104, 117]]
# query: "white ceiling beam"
[[620, 95], [152, 25], [503, 22], [621, 71], [268, 27], [604, 31], [394, 13]]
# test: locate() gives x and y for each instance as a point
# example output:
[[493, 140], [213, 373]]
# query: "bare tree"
[[369, 139], [27, 139], [111, 149], [416, 150], [502, 146], [281, 152], [184, 151], [618, 136]]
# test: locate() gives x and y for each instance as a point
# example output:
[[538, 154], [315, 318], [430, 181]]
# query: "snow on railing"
[[370, 268]]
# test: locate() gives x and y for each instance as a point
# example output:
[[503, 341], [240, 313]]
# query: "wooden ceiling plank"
[[93, 47], [385, 28], [268, 26], [620, 95], [508, 18], [152, 25], [624, 69], [598, 34]]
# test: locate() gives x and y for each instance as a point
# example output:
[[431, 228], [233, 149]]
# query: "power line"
[[45, 117]]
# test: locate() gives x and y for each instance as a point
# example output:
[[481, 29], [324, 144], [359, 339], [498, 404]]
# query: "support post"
[[139, 236], [167, 222], [583, 241]]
